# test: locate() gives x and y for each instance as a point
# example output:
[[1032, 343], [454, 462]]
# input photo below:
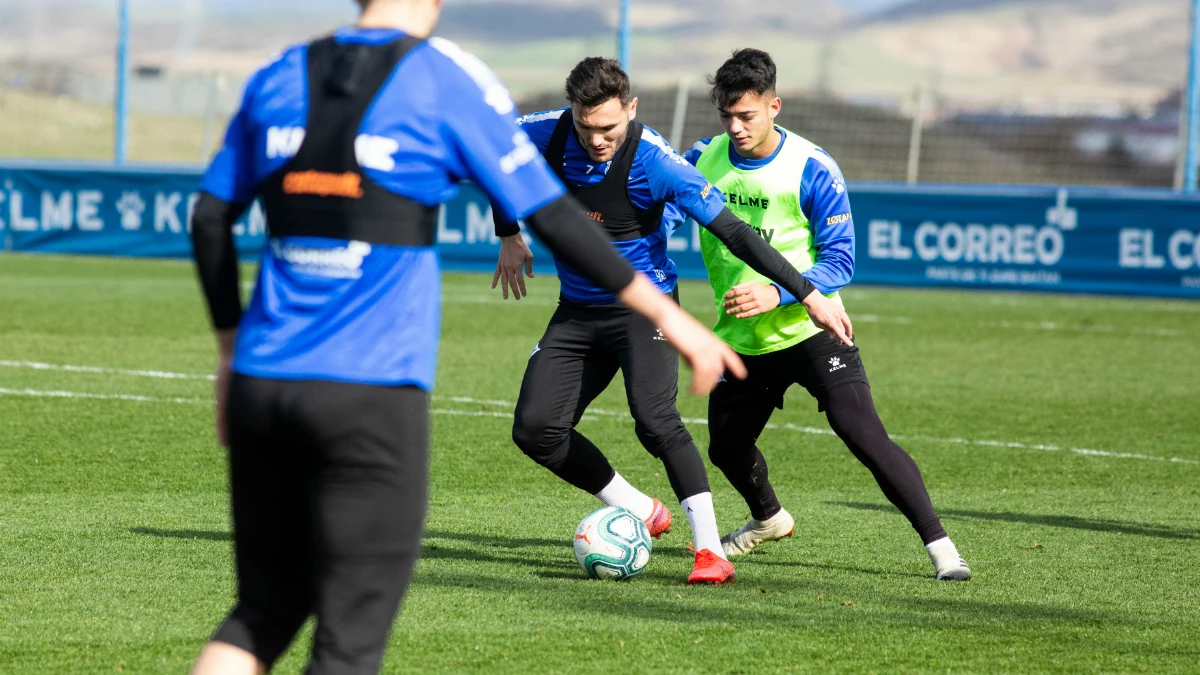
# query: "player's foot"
[[659, 522], [947, 563], [755, 532], [710, 568]]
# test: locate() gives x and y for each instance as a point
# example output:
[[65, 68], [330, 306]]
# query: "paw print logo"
[[839, 185], [835, 362], [131, 207]]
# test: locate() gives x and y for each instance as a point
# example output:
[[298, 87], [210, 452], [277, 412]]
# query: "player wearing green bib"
[[792, 193]]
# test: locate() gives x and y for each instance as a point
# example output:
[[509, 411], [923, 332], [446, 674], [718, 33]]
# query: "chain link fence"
[[921, 143]]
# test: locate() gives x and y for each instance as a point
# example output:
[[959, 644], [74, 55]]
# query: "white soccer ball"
[[612, 543]]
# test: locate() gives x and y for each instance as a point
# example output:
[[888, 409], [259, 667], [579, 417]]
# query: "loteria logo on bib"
[[322, 184]]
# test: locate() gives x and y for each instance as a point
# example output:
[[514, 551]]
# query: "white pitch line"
[[592, 413], [113, 371], [829, 432], [106, 397], [1055, 325], [875, 318]]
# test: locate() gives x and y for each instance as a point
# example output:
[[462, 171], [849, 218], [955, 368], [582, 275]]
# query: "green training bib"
[[768, 199]]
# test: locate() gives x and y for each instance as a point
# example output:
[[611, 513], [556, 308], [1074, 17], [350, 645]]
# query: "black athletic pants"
[[329, 490], [575, 360], [738, 411]]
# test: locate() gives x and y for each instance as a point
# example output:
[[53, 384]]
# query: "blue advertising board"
[[1087, 240]]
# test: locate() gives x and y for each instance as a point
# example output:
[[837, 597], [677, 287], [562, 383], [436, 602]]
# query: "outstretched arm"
[[515, 261]]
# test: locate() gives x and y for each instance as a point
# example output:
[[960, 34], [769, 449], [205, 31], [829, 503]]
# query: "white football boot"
[[947, 563], [755, 532]]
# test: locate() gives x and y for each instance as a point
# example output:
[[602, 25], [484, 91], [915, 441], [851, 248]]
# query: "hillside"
[[1086, 41], [1036, 53]]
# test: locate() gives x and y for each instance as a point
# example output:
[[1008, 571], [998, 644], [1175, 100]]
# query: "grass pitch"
[[1057, 435]]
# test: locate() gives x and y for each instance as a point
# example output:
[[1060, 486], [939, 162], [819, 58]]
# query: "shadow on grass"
[[760, 560], [544, 564], [1072, 522], [656, 577], [795, 605], [205, 535], [481, 540], [436, 552], [494, 541]]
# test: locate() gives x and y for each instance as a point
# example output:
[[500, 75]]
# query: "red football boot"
[[659, 522], [710, 568]]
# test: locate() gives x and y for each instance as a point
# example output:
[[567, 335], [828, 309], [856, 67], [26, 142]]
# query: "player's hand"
[[708, 356], [751, 299], [830, 317], [514, 254], [224, 375]]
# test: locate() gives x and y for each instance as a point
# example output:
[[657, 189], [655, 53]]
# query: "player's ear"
[[633, 108], [775, 107]]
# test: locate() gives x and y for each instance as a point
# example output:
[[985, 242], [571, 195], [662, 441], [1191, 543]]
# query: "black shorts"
[[820, 364], [577, 358], [328, 484]]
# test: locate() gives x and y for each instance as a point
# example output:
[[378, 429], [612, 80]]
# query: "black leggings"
[[328, 484], [573, 363], [739, 411]]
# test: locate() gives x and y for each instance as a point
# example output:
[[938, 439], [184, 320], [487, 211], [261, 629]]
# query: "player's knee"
[[538, 439], [659, 430], [662, 441], [720, 454], [726, 453]]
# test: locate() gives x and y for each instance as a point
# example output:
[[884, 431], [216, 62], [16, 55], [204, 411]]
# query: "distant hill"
[[1030, 52], [918, 9], [1088, 42]]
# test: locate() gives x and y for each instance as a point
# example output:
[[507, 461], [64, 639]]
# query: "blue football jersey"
[[350, 311], [658, 175]]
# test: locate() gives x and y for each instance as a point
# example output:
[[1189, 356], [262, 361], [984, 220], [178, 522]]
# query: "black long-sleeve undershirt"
[[740, 239], [216, 258], [744, 242]]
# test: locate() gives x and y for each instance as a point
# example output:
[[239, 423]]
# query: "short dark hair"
[[748, 70], [595, 80]]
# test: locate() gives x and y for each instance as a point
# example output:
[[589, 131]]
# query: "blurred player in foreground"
[[353, 142], [630, 182], [793, 194]]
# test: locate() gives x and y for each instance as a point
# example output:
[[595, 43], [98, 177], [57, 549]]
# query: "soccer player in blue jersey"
[[632, 183], [352, 142], [793, 190]]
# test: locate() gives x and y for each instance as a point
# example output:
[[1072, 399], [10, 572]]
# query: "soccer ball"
[[612, 543]]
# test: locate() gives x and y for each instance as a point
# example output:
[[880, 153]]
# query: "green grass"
[[114, 550]]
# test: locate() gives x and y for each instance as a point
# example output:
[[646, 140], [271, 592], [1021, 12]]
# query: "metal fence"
[[926, 143]]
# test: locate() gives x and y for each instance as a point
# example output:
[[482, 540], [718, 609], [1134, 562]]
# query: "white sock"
[[620, 493], [943, 553], [702, 518]]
